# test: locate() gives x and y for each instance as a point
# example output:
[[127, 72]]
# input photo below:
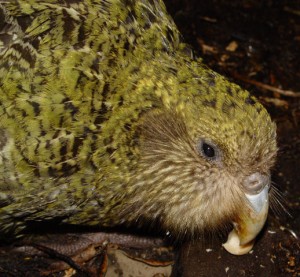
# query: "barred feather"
[[102, 112]]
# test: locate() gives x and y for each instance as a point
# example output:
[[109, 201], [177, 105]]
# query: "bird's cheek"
[[241, 239]]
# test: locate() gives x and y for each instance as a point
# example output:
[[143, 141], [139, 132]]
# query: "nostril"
[[255, 183]]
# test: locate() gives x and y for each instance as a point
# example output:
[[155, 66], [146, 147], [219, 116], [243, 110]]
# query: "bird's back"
[[58, 65]]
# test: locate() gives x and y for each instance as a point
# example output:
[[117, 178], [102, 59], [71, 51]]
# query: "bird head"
[[205, 161]]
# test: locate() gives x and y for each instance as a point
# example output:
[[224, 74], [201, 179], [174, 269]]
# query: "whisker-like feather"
[[278, 203]]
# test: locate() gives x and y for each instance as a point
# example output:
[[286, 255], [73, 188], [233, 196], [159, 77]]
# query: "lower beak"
[[241, 239]]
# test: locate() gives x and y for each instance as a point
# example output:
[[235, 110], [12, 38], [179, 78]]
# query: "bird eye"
[[208, 150]]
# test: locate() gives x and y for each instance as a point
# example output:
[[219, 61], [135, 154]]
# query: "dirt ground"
[[255, 44]]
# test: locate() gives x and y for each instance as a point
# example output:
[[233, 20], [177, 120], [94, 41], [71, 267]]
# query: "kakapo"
[[107, 119]]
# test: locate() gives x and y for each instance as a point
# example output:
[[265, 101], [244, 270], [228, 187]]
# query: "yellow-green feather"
[[77, 80]]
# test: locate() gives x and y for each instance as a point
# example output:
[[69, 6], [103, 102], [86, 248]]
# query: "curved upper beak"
[[241, 239]]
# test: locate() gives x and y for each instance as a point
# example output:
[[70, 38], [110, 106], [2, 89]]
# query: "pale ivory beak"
[[241, 239]]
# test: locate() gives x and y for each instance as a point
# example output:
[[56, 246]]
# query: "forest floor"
[[257, 45]]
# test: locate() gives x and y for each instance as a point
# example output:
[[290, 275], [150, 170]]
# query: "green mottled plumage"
[[102, 110]]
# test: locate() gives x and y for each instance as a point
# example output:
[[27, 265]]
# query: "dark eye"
[[208, 150]]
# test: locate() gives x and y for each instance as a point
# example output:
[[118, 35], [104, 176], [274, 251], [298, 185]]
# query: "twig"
[[287, 93], [289, 10], [54, 254]]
